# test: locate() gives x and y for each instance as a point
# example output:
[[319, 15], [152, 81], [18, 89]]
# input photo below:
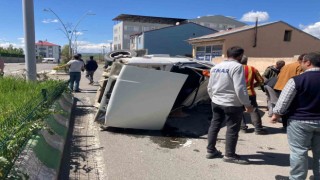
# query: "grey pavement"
[[177, 152]]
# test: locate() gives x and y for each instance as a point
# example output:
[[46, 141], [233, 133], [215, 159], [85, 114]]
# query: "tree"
[[65, 53], [11, 51]]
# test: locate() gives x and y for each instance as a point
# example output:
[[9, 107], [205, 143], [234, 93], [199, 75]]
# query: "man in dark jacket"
[[273, 71], [91, 66], [300, 101]]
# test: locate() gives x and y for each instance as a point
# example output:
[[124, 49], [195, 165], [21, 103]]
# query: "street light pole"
[[68, 33], [29, 37]]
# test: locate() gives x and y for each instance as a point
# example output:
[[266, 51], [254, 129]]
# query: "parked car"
[[141, 91], [49, 60]]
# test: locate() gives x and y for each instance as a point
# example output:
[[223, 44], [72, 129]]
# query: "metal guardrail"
[[19, 127]]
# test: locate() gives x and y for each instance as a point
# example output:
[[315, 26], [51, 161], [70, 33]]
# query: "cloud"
[[21, 40], [88, 47], [46, 21], [4, 43], [78, 33], [251, 16], [313, 29]]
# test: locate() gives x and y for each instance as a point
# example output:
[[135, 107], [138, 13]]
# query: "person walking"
[[273, 71], [287, 72], [75, 67], [228, 92], [253, 79], [300, 100], [91, 66]]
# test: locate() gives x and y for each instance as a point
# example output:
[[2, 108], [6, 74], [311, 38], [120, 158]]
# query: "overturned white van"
[[141, 92]]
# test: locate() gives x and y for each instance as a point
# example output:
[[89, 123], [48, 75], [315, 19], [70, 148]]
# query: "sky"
[[94, 31]]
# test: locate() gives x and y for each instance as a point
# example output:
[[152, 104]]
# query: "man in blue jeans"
[[300, 101], [228, 92], [76, 65]]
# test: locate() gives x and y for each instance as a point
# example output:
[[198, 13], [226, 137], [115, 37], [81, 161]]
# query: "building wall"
[[48, 51], [172, 40], [140, 42], [261, 63], [270, 41], [123, 30], [117, 36]]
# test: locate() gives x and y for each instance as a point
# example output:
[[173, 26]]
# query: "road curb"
[[42, 156]]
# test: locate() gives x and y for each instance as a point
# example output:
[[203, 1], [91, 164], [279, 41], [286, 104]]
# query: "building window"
[[200, 48], [208, 52], [213, 26], [145, 28], [287, 35], [208, 49]]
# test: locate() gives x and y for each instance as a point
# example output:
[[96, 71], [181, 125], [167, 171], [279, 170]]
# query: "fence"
[[17, 129]]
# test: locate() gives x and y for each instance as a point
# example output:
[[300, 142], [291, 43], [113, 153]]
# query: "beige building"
[[276, 39]]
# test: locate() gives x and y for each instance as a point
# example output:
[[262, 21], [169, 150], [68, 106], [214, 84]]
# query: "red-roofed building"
[[45, 49]]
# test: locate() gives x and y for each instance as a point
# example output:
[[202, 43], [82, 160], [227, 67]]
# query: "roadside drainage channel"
[[42, 155]]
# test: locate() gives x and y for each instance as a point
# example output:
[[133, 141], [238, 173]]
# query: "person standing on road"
[[253, 79], [300, 99], [228, 92], [287, 72], [273, 71], [75, 67], [80, 57], [1, 68], [91, 66]]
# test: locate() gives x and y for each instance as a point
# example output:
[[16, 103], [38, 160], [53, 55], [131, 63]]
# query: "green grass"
[[22, 110], [16, 93]]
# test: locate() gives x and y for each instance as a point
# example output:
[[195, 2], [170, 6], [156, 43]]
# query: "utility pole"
[[68, 32], [29, 37]]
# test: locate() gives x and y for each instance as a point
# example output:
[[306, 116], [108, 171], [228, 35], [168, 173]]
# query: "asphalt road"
[[177, 152]]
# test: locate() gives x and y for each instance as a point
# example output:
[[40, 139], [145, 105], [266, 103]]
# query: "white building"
[[127, 25], [45, 49]]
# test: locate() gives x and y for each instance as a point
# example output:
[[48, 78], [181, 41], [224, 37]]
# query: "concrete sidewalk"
[[177, 152], [83, 158]]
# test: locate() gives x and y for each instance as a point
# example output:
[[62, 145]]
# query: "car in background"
[[49, 60]]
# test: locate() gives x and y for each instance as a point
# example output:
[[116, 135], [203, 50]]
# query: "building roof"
[[45, 43], [218, 19], [147, 19], [168, 27], [238, 29]]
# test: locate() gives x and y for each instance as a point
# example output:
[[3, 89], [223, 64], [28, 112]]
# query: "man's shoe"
[[216, 154], [77, 91], [236, 159], [244, 130], [261, 132]]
